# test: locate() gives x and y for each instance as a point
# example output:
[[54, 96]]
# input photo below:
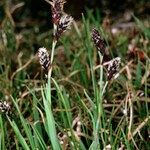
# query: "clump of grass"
[[61, 22], [88, 100]]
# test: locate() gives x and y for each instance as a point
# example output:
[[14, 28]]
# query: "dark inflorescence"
[[5, 107], [98, 41], [44, 58], [61, 20], [113, 68], [57, 10], [63, 25], [112, 64]]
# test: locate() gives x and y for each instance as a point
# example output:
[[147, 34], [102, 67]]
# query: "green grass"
[[79, 110]]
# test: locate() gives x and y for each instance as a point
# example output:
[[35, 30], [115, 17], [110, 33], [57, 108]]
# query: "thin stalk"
[[99, 104], [52, 52], [49, 114], [51, 62], [52, 58]]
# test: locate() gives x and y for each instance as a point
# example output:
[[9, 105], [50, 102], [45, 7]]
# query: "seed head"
[[44, 58], [5, 107], [64, 24], [57, 10], [113, 68], [98, 41]]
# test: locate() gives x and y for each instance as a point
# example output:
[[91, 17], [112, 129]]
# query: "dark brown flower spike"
[[113, 68], [57, 10], [98, 41], [44, 58], [64, 24], [5, 107]]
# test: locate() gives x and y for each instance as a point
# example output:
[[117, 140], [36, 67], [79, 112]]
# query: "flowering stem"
[[50, 70], [51, 62], [53, 49], [52, 57]]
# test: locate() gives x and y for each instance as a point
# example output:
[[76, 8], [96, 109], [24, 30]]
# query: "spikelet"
[[64, 24], [44, 58], [113, 68], [57, 10], [98, 41], [5, 107]]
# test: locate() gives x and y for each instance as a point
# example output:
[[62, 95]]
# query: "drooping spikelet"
[[112, 64], [64, 24], [98, 41], [113, 68], [5, 107], [44, 58], [57, 10]]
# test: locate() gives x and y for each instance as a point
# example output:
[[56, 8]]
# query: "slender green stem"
[[52, 52], [99, 102], [51, 62], [52, 57]]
